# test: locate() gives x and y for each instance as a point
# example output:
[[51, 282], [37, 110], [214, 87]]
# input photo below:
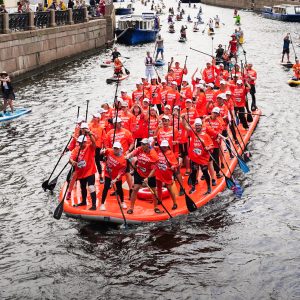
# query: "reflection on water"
[[230, 249]]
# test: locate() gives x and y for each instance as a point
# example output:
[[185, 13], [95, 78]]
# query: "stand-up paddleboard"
[[116, 78], [294, 82], [287, 64], [159, 63], [182, 40], [106, 64], [143, 211], [18, 112]]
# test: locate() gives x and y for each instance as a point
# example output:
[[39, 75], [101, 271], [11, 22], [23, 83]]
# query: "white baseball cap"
[[223, 96], [188, 100], [96, 115], [198, 121], [81, 139], [227, 93], [138, 82], [176, 107], [102, 110], [222, 82], [119, 99], [168, 106], [163, 81], [80, 119], [146, 100], [123, 91], [216, 110], [117, 120], [239, 81], [165, 117], [124, 103], [117, 145], [84, 125], [174, 82], [145, 141], [164, 143], [211, 85]]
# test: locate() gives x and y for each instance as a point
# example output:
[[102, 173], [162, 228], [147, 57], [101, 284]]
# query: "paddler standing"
[[286, 48], [159, 44], [83, 160], [251, 77], [115, 54], [149, 72], [7, 91]]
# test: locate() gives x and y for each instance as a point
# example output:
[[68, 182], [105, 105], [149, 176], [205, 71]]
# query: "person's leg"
[[159, 189], [204, 170], [252, 93], [92, 190], [83, 183], [193, 176], [98, 163], [11, 105], [173, 192], [4, 105], [241, 115], [120, 190], [227, 143], [106, 187]]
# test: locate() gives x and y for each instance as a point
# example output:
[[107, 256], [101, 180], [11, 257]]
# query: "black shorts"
[[286, 51], [138, 179], [9, 95], [127, 167], [183, 149]]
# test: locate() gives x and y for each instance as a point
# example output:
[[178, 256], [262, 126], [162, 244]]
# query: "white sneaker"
[[123, 204], [102, 207]]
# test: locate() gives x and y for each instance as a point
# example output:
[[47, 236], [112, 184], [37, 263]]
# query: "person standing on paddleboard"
[[149, 72], [251, 77], [286, 48], [115, 54], [159, 44], [83, 160], [7, 91]]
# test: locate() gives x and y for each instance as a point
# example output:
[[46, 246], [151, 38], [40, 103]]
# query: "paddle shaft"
[[117, 111], [195, 133], [117, 196], [293, 46], [202, 52], [78, 109]]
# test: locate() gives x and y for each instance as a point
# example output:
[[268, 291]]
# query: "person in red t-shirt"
[[233, 47], [144, 171], [199, 153], [126, 97], [173, 97], [179, 72], [114, 170], [83, 160], [209, 74], [165, 168], [138, 124], [251, 77]]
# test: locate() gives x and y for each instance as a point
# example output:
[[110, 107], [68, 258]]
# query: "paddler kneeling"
[[118, 67], [166, 166], [144, 171], [83, 160], [114, 170], [296, 69]]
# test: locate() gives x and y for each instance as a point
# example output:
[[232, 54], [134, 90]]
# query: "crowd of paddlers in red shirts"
[[163, 126]]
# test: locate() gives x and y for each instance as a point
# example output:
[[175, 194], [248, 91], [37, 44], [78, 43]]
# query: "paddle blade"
[[229, 182], [242, 164], [59, 210], [249, 118], [190, 204], [237, 190], [52, 184], [127, 71], [45, 185]]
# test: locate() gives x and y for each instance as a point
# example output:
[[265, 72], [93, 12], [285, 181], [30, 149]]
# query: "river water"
[[230, 249]]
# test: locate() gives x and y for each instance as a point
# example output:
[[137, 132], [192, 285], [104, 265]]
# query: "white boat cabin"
[[144, 22]]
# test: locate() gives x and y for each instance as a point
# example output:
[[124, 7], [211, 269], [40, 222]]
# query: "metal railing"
[[18, 22], [61, 17], [78, 16], [42, 19]]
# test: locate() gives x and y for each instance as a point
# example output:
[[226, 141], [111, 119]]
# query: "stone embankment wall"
[[256, 5], [27, 52]]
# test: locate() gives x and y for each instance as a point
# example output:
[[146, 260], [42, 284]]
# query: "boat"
[[121, 11], [283, 12], [137, 29], [182, 39], [293, 82], [18, 112], [159, 63], [116, 78], [287, 64], [143, 211]]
